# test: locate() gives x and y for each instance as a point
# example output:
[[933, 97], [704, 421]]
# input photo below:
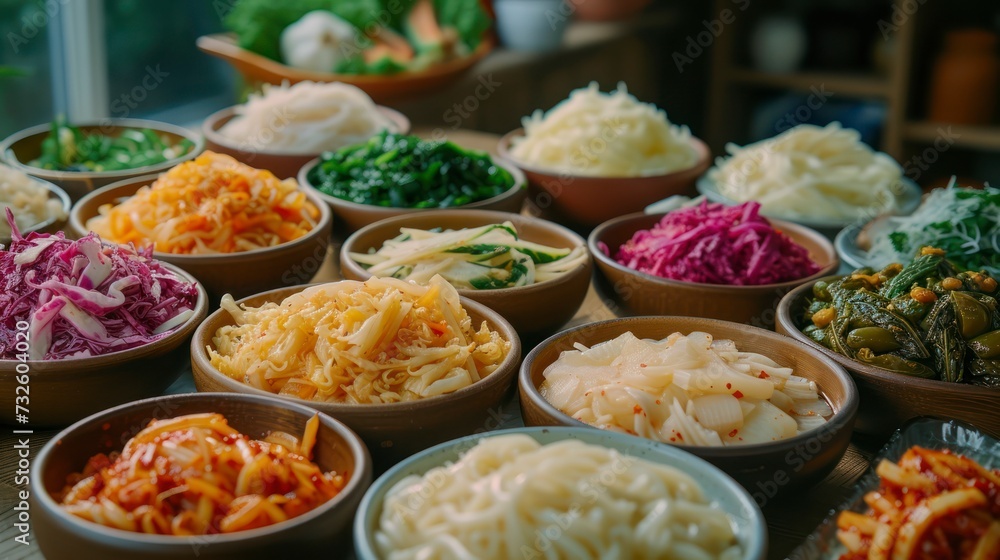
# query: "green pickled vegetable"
[[67, 148], [924, 319], [400, 171]]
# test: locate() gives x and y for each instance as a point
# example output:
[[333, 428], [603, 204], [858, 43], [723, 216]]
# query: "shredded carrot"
[[212, 204]]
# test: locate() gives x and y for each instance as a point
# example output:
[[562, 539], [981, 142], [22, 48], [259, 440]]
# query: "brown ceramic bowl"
[[889, 399], [24, 146], [238, 274], [638, 293], [62, 536], [587, 201], [534, 311], [283, 164], [53, 223], [257, 69], [764, 469], [352, 216], [391, 431], [64, 391]]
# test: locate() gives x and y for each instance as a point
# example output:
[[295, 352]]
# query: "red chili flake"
[[602, 392], [729, 385], [642, 365], [658, 401], [763, 375], [734, 432], [637, 409], [680, 436], [738, 395], [673, 439]]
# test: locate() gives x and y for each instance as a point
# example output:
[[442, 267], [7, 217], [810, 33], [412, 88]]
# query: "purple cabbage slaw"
[[713, 243], [85, 298]]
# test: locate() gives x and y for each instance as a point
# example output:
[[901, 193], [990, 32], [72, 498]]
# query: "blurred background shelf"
[[860, 85], [985, 138]]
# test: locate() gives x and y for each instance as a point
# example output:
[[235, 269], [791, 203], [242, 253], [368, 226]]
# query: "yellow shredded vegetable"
[[212, 204], [381, 341]]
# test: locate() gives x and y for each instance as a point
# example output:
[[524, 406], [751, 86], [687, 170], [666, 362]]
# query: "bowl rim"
[[182, 331], [8, 157], [347, 261], [909, 199], [846, 243], [703, 160], [799, 230], [520, 184], [841, 417], [79, 227], [199, 356], [210, 128], [54, 191], [362, 464], [725, 483], [783, 318]]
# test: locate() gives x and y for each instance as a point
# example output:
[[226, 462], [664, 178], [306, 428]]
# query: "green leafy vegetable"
[[963, 222], [66, 148], [465, 16], [406, 172]]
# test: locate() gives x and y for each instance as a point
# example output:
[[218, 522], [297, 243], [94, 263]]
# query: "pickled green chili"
[[927, 319], [67, 148], [401, 171]]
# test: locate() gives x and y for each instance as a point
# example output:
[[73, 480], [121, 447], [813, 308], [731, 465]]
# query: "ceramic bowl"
[[53, 223], [22, 147], [391, 431], [64, 391], [238, 274], [62, 536], [888, 399], [765, 469], [586, 201], [720, 489], [638, 293], [352, 216], [255, 152], [535, 311]]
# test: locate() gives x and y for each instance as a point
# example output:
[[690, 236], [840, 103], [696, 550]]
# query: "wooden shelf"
[[858, 85], [986, 138]]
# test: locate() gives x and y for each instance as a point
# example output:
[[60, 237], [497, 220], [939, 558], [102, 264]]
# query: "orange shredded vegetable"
[[212, 204]]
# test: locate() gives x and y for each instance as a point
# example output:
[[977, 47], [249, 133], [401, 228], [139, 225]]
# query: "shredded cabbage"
[[381, 341], [717, 244], [83, 298]]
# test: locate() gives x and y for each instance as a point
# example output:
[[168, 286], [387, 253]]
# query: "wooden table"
[[789, 519]]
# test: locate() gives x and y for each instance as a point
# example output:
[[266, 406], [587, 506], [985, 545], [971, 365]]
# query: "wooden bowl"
[[352, 216], [62, 536], [252, 151], [638, 293], [238, 274], [534, 311], [53, 223], [405, 85], [24, 146], [587, 201], [765, 469], [888, 399], [64, 391], [750, 528], [391, 431]]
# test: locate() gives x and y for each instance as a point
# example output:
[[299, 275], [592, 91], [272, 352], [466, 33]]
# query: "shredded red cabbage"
[[84, 298], [717, 244]]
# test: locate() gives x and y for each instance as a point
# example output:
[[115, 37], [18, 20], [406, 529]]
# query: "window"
[[91, 59]]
